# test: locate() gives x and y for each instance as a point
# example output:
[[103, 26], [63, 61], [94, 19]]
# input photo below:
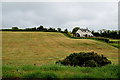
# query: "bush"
[[90, 63], [69, 34], [104, 39], [89, 59]]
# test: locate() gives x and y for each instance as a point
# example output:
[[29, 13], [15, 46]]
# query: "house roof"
[[84, 29]]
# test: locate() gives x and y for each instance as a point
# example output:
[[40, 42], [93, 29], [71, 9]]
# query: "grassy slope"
[[47, 47], [115, 44]]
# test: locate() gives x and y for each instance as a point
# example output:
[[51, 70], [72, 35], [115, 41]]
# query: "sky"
[[91, 15]]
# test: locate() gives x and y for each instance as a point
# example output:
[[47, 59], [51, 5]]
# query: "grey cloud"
[[62, 14], [0, 15]]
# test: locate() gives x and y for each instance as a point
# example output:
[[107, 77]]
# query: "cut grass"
[[20, 48], [59, 71]]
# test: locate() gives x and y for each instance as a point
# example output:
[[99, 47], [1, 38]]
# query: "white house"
[[83, 33]]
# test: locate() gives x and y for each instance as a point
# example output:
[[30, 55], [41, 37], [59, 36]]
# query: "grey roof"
[[84, 29]]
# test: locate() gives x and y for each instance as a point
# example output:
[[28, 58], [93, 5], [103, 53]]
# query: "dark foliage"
[[14, 28], [107, 33], [75, 30], [51, 30], [90, 63], [103, 39], [59, 29], [40, 28], [89, 59], [96, 34], [65, 31]]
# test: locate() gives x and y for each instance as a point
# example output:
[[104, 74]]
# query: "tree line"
[[101, 33], [40, 28], [107, 33]]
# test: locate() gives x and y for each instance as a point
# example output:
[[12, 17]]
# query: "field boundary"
[[101, 39]]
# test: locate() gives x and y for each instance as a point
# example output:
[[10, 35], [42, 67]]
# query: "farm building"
[[83, 33]]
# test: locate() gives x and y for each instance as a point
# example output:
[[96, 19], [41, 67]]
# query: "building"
[[83, 33]]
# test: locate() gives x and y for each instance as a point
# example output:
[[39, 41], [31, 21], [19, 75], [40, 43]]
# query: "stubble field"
[[20, 48]]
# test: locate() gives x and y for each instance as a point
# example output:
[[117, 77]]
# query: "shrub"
[[89, 59], [90, 63], [104, 39], [69, 34]]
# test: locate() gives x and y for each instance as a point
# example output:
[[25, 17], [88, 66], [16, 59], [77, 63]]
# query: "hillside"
[[47, 47]]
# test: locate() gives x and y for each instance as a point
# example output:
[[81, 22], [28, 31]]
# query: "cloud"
[[0, 15], [60, 0], [94, 15]]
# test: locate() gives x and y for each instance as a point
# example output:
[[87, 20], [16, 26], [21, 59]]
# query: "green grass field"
[[43, 49], [59, 71]]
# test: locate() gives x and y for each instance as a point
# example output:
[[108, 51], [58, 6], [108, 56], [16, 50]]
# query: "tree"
[[75, 30], [95, 33], [65, 31], [59, 29], [34, 29], [15, 28], [45, 29], [110, 34], [50, 29], [40, 28]]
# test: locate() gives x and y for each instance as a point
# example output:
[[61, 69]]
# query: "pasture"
[[38, 48], [60, 72]]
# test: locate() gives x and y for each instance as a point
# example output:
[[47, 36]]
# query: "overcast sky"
[[92, 15]]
